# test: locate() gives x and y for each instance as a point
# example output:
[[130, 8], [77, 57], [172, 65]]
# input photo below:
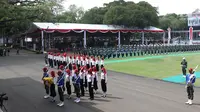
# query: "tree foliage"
[[72, 15], [17, 15], [123, 13], [94, 16], [174, 21]]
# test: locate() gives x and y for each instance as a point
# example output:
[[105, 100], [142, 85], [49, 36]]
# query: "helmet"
[[74, 67], [191, 70], [90, 70], [45, 69], [76, 71], [94, 69], [53, 74], [68, 71], [103, 70], [65, 54], [59, 72], [61, 67]]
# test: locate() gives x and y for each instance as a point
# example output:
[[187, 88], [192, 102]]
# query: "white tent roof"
[[76, 26], [91, 28]]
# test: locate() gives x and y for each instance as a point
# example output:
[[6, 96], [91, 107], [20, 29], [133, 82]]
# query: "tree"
[[72, 15], [117, 15], [16, 16], [174, 21], [94, 16], [78, 12], [130, 14]]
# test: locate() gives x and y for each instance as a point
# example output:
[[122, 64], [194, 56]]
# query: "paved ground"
[[20, 79]]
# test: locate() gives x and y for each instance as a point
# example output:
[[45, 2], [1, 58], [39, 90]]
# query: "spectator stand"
[[48, 35]]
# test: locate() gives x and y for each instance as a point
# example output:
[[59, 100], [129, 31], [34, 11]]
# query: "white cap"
[[183, 58]]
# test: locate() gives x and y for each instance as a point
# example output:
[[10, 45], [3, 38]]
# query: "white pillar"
[[146, 42], [34, 46], [42, 39], [119, 39], [85, 38], [164, 38], [142, 38], [49, 41], [169, 35], [22, 42]]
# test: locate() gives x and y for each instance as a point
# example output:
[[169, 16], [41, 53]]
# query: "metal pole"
[[85, 44], [169, 35], [42, 39], [164, 38], [49, 42], [119, 39], [142, 38]]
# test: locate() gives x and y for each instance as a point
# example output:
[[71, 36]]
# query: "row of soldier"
[[105, 52], [83, 78], [57, 59]]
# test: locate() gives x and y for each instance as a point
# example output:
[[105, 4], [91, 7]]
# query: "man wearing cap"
[[190, 80], [184, 66], [76, 82], [68, 83], [60, 84], [45, 75]]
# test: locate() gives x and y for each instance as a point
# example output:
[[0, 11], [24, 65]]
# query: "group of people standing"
[[81, 72]]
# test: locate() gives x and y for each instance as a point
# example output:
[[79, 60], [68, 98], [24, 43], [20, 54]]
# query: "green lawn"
[[197, 82], [154, 68]]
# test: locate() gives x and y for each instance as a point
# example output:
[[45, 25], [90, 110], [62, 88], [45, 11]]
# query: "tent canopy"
[[91, 28]]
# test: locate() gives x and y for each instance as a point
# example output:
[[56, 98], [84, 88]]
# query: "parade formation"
[[80, 73]]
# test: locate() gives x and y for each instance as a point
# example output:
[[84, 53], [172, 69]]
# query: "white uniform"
[[93, 62], [81, 58], [104, 76], [97, 62], [90, 79], [54, 58], [87, 61], [66, 59], [70, 60], [73, 60], [83, 63], [102, 62]]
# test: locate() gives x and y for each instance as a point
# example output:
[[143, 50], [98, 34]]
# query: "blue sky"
[[165, 6]]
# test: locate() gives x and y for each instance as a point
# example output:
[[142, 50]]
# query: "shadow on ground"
[[26, 95]]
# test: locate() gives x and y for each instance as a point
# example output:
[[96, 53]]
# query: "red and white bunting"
[[92, 31], [78, 31], [64, 31]]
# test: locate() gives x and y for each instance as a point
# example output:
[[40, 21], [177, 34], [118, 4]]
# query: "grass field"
[[157, 67]]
